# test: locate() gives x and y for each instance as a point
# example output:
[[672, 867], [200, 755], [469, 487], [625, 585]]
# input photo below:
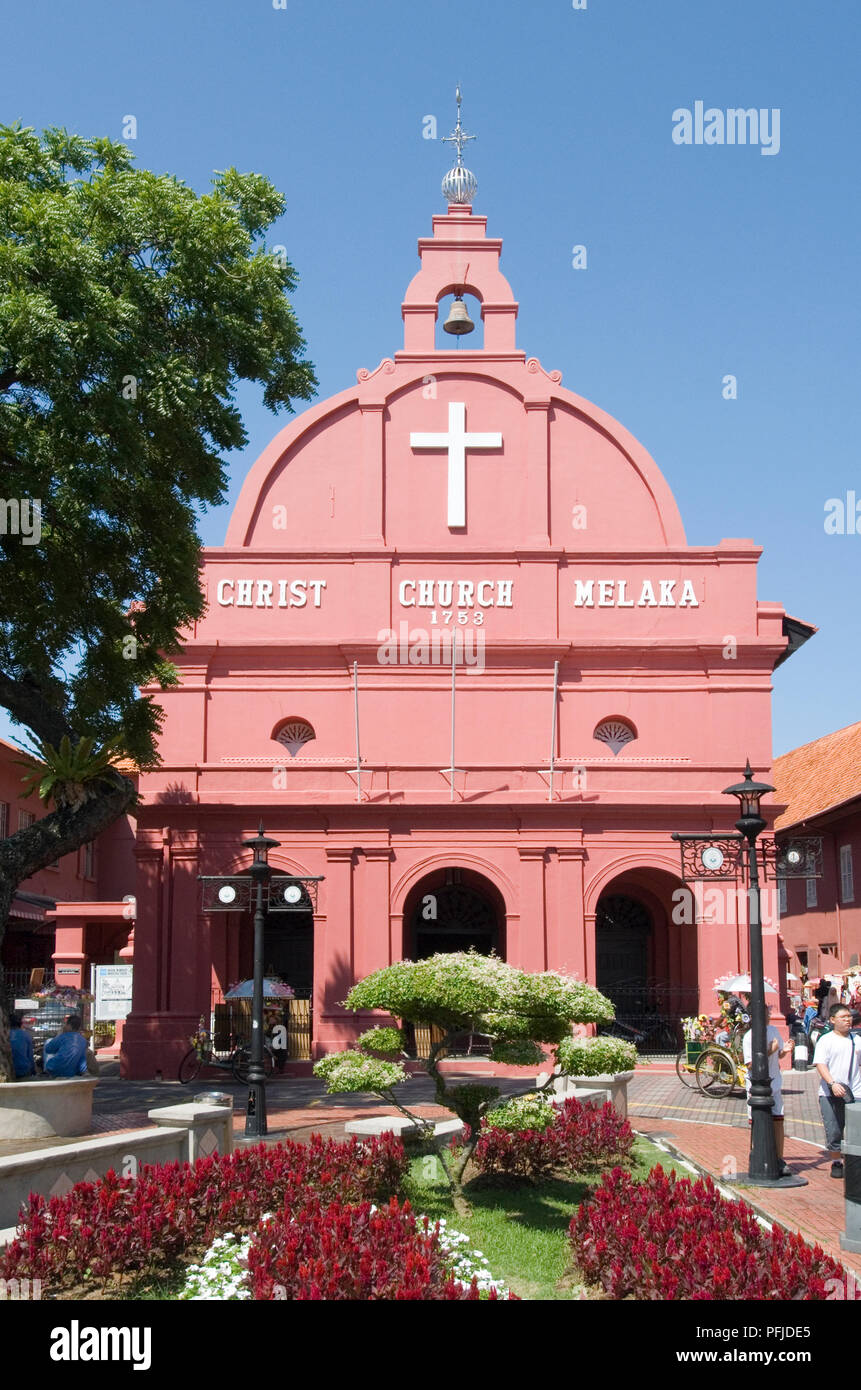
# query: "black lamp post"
[[716, 856], [765, 1167], [260, 872]]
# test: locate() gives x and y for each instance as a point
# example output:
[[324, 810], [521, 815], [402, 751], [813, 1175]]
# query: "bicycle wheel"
[[241, 1061], [685, 1069], [189, 1067], [715, 1073]]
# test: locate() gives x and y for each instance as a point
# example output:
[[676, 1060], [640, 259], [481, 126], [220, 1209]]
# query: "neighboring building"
[[70, 915], [599, 704], [820, 783]]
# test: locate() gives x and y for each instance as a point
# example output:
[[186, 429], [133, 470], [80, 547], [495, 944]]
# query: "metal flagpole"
[[553, 731], [356, 720], [453, 681]]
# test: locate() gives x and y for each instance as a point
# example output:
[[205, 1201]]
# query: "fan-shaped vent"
[[615, 733], [295, 735]]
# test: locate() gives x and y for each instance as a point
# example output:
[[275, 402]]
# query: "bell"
[[458, 320]]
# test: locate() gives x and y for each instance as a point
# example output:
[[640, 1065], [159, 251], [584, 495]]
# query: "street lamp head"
[[749, 794], [261, 845]]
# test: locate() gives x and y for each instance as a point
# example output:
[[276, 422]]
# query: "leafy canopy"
[[462, 989], [130, 306]]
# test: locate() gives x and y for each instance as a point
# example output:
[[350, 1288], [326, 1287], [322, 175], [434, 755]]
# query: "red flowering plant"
[[334, 1251], [578, 1138], [119, 1226], [671, 1238]]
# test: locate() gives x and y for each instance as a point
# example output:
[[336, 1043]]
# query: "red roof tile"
[[818, 775]]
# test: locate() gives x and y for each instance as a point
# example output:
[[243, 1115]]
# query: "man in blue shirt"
[[21, 1043], [66, 1055]]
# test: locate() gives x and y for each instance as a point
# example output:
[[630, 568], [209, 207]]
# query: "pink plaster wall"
[[341, 498]]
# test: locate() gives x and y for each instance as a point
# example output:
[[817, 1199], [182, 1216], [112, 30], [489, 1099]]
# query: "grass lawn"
[[522, 1230]]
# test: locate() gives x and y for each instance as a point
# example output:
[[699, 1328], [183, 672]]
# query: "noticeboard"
[[113, 991]]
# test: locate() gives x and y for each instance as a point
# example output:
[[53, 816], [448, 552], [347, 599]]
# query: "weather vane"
[[459, 185]]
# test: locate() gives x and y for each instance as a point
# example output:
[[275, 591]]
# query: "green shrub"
[[356, 1071], [389, 1041], [596, 1056], [522, 1112], [523, 1053]]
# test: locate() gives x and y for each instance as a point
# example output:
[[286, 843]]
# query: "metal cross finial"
[[458, 136]]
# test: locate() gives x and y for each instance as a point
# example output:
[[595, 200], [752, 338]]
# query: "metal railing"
[[16, 983], [649, 1013]]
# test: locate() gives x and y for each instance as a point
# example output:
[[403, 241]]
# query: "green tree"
[[464, 992], [130, 307]]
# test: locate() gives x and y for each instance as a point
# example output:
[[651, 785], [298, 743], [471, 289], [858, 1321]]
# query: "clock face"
[[793, 857], [712, 857], [292, 893], [227, 894]]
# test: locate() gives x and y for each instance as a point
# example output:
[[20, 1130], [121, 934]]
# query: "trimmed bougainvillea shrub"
[[579, 1138], [672, 1238], [334, 1252], [120, 1226]]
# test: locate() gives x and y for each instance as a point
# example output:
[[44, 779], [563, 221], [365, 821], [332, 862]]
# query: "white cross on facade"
[[457, 441]]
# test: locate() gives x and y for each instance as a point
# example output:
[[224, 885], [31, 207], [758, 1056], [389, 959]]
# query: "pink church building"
[[460, 660]]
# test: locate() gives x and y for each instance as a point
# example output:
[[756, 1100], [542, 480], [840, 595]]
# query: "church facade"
[[461, 662]]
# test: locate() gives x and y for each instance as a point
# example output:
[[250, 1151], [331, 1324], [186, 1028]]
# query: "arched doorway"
[[288, 950], [288, 956], [623, 927], [453, 910], [645, 961]]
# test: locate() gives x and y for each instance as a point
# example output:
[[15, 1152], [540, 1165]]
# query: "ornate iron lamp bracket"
[[233, 893], [799, 857], [710, 857]]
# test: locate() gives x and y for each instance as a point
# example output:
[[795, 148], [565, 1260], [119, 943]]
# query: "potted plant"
[[598, 1063]]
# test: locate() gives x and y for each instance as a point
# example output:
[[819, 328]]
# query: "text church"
[[457, 501]]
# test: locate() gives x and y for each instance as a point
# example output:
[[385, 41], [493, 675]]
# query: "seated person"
[[66, 1054], [21, 1043]]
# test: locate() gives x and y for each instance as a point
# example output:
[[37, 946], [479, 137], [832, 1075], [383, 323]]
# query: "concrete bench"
[[39, 1109], [373, 1126]]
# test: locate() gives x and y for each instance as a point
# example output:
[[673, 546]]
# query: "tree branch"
[[25, 702], [64, 830]]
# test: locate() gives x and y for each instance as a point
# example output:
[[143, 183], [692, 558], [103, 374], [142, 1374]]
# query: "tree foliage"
[[464, 992], [130, 308]]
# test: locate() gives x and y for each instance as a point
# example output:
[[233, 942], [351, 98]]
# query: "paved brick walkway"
[[715, 1137]]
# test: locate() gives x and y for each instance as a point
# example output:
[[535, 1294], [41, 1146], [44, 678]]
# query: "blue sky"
[[703, 260]]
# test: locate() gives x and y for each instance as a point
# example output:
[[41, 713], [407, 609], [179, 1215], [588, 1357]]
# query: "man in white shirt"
[[775, 1048], [838, 1060]]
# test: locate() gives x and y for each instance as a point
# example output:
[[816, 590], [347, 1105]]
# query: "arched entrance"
[[453, 909], [623, 927], [645, 962]]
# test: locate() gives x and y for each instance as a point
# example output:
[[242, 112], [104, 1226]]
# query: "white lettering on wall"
[[613, 593], [456, 593], [241, 593]]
